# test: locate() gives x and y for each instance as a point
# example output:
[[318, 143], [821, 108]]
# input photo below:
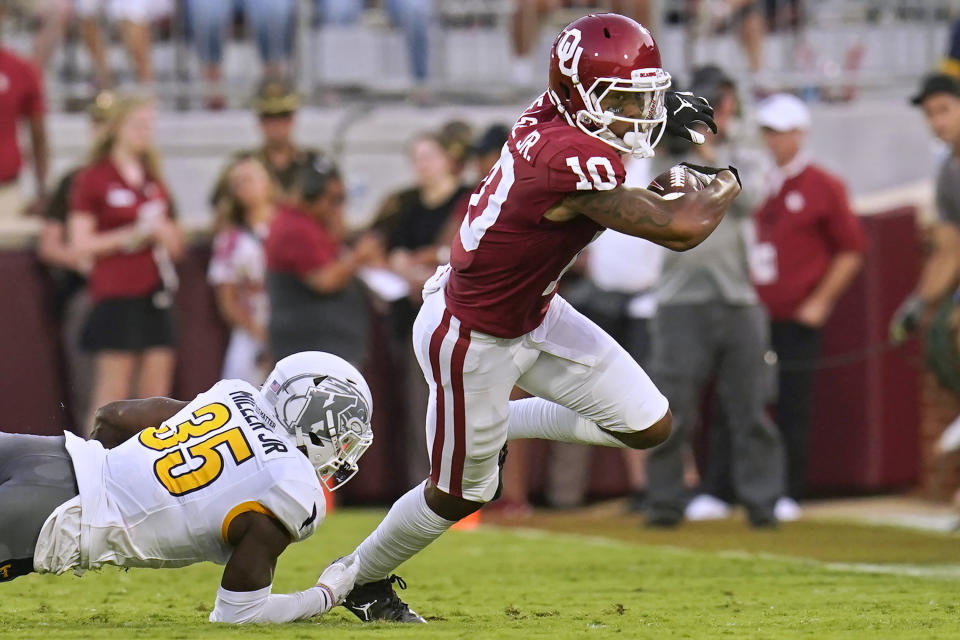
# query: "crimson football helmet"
[[605, 68]]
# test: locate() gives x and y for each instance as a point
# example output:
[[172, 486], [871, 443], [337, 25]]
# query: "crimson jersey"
[[507, 259]]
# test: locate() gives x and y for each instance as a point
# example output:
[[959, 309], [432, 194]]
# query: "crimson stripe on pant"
[[459, 413], [436, 341]]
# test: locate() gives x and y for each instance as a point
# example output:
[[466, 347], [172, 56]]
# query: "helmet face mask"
[[325, 406], [332, 428], [599, 66], [609, 98]]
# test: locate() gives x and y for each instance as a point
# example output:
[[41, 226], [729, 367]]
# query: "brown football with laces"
[[676, 181]]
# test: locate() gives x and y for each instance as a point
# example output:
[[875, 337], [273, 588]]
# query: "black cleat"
[[378, 601]]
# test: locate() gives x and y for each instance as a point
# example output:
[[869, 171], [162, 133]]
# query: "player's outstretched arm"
[[116, 422], [678, 224], [244, 594]]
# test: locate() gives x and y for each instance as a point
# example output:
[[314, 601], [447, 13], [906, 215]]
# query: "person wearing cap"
[[21, 99], [316, 300], [486, 149], [710, 324], [68, 271], [276, 105], [939, 97], [809, 249]]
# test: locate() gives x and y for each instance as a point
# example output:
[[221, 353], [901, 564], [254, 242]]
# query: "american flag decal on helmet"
[[275, 386]]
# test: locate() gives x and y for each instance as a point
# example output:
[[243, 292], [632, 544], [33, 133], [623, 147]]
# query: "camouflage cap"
[[275, 96]]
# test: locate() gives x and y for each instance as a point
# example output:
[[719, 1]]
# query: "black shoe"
[[762, 520], [378, 601], [662, 521], [636, 501]]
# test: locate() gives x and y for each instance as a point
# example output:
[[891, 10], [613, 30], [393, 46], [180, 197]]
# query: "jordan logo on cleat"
[[365, 609]]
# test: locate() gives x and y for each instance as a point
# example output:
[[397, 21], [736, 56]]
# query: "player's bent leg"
[[36, 477], [653, 435], [448, 506], [581, 368]]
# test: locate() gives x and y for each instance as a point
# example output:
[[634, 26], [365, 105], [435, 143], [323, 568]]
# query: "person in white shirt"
[[238, 267], [236, 477]]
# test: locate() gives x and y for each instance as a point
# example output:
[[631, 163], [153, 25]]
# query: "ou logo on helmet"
[[569, 52]]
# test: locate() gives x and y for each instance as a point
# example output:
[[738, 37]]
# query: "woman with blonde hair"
[[121, 220], [238, 267]]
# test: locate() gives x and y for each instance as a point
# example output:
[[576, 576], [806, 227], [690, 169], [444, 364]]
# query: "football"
[[676, 181]]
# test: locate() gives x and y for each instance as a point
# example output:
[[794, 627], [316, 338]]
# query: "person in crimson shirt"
[[21, 98], [809, 249], [316, 300], [121, 220], [492, 320], [68, 270]]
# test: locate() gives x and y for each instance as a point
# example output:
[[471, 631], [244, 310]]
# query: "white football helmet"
[[325, 405]]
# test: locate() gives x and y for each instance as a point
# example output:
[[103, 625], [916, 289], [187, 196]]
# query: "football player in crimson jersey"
[[491, 319]]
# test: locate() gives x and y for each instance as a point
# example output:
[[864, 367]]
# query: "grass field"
[[569, 578]]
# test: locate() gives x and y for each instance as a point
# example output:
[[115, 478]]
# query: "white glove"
[[339, 577]]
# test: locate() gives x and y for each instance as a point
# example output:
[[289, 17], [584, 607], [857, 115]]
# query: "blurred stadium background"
[[877, 412]]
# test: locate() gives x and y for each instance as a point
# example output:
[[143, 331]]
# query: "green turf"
[[497, 583]]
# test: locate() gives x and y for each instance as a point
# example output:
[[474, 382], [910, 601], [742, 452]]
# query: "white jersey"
[[165, 497]]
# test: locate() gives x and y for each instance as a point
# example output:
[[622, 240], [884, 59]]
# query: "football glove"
[[683, 110], [339, 577], [906, 319], [712, 171]]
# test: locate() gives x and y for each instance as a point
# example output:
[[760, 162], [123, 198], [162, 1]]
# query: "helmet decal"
[[569, 52]]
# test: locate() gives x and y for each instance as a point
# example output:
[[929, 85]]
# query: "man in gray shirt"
[[710, 325], [939, 97]]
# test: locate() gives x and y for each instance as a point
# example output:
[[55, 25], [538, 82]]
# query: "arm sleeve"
[[33, 103], [83, 196], [240, 607], [300, 250], [223, 268], [843, 227]]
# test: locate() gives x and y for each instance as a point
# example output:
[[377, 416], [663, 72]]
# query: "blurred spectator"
[[486, 149], [809, 249], [528, 18], [417, 225], [710, 326], [69, 271], [316, 301], [238, 269], [276, 105], [616, 293], [412, 16], [456, 136], [270, 21], [21, 98], [134, 18], [950, 64], [121, 220], [53, 17], [745, 16], [939, 97]]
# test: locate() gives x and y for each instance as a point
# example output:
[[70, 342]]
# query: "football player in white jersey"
[[234, 477]]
